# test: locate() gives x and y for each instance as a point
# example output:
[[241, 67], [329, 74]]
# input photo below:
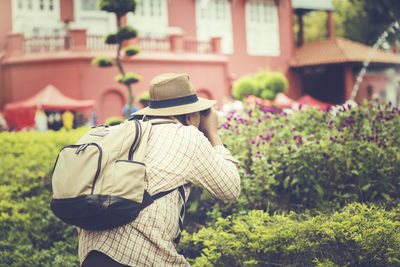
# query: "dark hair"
[[181, 118]]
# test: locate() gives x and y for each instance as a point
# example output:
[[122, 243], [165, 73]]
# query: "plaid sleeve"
[[215, 170]]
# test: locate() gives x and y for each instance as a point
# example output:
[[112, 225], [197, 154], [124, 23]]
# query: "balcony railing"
[[46, 44], [193, 45], [78, 40]]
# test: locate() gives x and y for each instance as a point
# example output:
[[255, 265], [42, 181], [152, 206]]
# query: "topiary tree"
[[120, 8]]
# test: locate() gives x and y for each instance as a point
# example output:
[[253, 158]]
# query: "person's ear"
[[187, 119]]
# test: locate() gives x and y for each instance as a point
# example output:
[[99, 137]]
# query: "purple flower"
[[295, 137]]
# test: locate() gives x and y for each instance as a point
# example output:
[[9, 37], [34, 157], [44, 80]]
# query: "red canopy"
[[21, 114], [307, 100]]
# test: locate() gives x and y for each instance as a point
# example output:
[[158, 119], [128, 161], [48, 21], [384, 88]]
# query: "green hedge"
[[306, 160], [30, 235], [358, 235]]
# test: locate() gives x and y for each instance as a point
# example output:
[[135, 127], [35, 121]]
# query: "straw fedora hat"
[[173, 94]]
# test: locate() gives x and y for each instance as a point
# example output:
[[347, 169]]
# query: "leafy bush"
[[119, 7], [30, 235], [131, 50], [126, 33], [309, 159], [103, 62], [358, 235], [244, 86], [114, 121], [262, 84], [128, 78]]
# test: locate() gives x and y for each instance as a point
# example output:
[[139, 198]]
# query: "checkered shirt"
[[176, 155]]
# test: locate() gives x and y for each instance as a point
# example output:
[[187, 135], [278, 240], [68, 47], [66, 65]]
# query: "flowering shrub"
[[357, 235], [310, 159]]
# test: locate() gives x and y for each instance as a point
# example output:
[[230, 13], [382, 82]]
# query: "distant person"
[[3, 123], [58, 123], [68, 119], [185, 149], [40, 121], [126, 112]]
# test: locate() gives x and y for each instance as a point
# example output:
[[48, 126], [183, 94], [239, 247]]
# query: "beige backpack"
[[98, 183]]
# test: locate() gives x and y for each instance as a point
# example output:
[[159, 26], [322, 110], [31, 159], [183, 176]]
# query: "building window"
[[213, 18], [20, 5], [30, 5], [41, 4], [262, 28], [150, 18], [89, 5]]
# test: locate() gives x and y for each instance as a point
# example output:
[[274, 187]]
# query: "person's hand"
[[209, 126]]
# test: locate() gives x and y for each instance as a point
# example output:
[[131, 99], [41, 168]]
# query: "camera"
[[204, 112]]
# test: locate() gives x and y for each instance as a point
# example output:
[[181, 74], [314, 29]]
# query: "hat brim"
[[199, 105]]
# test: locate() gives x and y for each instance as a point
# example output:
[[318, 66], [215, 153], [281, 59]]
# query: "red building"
[[175, 36], [46, 42]]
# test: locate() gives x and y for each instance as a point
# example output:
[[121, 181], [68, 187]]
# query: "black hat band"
[[167, 103]]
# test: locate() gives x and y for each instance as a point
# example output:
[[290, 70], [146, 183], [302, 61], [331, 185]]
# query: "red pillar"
[[67, 10], [216, 45], [330, 25], [15, 44], [78, 37], [176, 42], [348, 82]]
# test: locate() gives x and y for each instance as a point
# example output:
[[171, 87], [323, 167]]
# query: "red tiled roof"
[[339, 50]]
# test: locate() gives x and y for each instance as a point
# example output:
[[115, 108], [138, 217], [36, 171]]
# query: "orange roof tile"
[[339, 50]]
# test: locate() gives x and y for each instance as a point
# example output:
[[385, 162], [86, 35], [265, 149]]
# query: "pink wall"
[[182, 13], [77, 78], [5, 21]]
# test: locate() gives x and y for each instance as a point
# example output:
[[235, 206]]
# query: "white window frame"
[[150, 18], [84, 19], [262, 28], [214, 19], [35, 21]]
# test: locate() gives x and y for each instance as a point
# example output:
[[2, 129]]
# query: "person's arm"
[[213, 168]]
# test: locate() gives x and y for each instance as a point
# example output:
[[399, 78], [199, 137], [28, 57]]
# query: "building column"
[[348, 82], [15, 44], [216, 45], [78, 37], [330, 25], [176, 42]]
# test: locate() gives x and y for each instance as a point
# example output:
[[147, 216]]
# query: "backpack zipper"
[[135, 141], [82, 147]]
